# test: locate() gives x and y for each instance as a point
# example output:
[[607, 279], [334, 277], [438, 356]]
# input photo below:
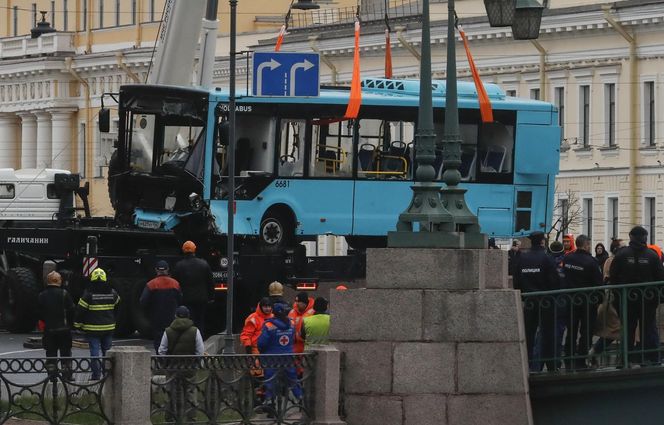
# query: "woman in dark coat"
[[601, 255]]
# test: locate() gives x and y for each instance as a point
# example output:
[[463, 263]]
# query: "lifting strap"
[[388, 45], [486, 111], [355, 99], [284, 28]]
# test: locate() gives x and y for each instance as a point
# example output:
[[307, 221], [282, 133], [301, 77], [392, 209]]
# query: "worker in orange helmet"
[[195, 278]]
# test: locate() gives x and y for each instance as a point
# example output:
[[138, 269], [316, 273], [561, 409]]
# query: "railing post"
[[130, 386], [326, 385], [625, 326]]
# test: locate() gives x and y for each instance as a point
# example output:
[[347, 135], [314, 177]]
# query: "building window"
[[151, 10], [584, 115], [649, 112], [613, 217], [588, 217], [117, 13], [650, 221], [535, 94], [560, 103], [133, 12], [101, 13], [564, 216], [52, 14], [65, 17], [15, 21], [610, 113], [85, 16], [510, 93], [34, 14]]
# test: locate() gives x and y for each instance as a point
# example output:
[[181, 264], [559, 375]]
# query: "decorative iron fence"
[[614, 326], [397, 9], [57, 391], [239, 389]]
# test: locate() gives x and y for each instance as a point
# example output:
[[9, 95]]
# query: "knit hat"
[[280, 309], [556, 247], [182, 312], [161, 266], [302, 297], [320, 305]]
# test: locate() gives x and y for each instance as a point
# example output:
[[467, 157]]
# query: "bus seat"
[[396, 151], [329, 158], [366, 156], [494, 159], [398, 148], [467, 168]]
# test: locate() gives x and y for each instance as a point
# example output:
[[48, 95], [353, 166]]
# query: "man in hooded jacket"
[[636, 263]]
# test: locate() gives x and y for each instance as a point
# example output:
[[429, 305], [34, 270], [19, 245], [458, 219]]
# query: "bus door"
[[325, 196], [384, 163]]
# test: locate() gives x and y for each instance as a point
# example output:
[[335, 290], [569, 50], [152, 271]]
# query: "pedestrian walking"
[[601, 255], [276, 293], [302, 307], [160, 298], [95, 316], [536, 271], [56, 309], [581, 271], [316, 328], [195, 278], [278, 337], [636, 263]]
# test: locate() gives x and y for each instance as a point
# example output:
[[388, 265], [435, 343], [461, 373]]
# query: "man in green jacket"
[[316, 328], [182, 338]]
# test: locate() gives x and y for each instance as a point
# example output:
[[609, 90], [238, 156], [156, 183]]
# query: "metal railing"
[[397, 9], [613, 326], [57, 391], [246, 389]]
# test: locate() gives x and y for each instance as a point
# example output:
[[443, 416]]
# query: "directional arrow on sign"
[[306, 65], [273, 64]]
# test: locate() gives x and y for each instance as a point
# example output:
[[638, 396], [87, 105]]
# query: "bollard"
[[326, 382], [130, 386]]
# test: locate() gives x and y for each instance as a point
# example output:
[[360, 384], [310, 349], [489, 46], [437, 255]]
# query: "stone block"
[[495, 261], [489, 409], [131, 383], [373, 410], [425, 409], [327, 380], [424, 368], [483, 316], [375, 315], [367, 366], [497, 367], [415, 268]]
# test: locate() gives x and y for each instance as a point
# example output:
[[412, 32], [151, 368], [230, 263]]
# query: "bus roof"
[[393, 92]]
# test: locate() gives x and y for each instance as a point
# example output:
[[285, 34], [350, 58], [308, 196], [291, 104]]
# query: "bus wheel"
[[18, 299], [276, 231]]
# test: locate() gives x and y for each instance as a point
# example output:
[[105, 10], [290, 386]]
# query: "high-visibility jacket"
[[95, 312], [253, 326], [297, 317], [316, 329]]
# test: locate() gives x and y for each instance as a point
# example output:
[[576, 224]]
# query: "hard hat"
[[98, 274], [54, 278], [275, 288], [341, 288], [189, 247]]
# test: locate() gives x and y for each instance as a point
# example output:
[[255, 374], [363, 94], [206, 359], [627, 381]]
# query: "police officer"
[[536, 271], [95, 316], [581, 271], [636, 263]]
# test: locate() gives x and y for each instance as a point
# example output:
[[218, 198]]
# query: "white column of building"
[[44, 135], [28, 140], [8, 140], [61, 147]]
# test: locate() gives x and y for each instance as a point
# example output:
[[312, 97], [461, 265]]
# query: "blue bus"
[[302, 172]]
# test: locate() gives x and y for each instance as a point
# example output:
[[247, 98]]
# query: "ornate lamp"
[[500, 12], [527, 20]]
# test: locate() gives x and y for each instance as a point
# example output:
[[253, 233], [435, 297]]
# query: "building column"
[[8, 140], [61, 147], [44, 135], [28, 140]]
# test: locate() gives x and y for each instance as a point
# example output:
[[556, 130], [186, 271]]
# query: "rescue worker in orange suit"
[[254, 324], [302, 307]]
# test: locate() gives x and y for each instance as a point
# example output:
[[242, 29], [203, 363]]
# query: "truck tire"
[[124, 325], [18, 300], [139, 316]]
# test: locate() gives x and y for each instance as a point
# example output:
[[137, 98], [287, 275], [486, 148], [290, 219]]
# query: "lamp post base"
[[466, 222]]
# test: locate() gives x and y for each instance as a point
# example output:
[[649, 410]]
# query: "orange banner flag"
[[388, 55], [280, 38], [486, 111], [355, 99]]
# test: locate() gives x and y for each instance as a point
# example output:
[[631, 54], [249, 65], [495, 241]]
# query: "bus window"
[[496, 149], [469, 151], [331, 151], [385, 149], [291, 154], [142, 140], [254, 146]]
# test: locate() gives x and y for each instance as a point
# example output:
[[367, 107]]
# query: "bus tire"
[[276, 231], [18, 300], [140, 317]]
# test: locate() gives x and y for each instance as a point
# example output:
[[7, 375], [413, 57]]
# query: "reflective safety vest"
[[316, 329], [95, 312]]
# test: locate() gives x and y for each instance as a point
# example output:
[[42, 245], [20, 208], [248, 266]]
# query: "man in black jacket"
[[536, 271], [195, 278], [160, 298], [56, 309], [581, 271], [637, 263]]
